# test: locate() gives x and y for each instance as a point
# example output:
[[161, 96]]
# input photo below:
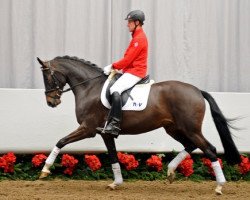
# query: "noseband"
[[56, 83]]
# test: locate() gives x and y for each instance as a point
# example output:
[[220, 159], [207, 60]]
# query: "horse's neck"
[[75, 76], [87, 94]]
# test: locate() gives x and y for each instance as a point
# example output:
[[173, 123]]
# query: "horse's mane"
[[74, 58]]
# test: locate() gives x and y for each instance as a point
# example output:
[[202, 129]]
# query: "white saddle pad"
[[139, 94]]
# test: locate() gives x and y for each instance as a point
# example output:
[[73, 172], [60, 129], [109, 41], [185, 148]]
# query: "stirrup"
[[100, 130], [113, 127], [114, 134], [114, 131]]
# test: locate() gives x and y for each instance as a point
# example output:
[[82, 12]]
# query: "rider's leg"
[[125, 82], [116, 115]]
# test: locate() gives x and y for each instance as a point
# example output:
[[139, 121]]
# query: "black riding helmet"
[[136, 15]]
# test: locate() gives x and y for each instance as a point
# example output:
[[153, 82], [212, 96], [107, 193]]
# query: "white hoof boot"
[[44, 174], [218, 190], [113, 185], [171, 176], [45, 171]]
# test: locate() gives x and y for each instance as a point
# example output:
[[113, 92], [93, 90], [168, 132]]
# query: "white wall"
[[202, 42], [28, 125]]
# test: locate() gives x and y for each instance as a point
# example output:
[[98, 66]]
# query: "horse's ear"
[[40, 61]]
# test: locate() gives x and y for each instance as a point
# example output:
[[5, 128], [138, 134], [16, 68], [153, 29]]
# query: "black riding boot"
[[113, 126]]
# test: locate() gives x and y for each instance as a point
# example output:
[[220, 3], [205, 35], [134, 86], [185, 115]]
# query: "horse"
[[176, 106]]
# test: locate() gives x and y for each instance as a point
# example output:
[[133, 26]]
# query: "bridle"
[[56, 82]]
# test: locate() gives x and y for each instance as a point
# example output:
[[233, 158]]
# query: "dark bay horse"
[[177, 107]]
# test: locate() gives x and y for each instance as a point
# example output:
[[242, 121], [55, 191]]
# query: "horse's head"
[[54, 81]]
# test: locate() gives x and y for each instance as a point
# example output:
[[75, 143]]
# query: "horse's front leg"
[[110, 144], [81, 133]]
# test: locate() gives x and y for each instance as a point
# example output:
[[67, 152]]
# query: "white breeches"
[[125, 82]]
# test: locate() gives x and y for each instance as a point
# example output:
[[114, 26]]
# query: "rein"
[[81, 83]]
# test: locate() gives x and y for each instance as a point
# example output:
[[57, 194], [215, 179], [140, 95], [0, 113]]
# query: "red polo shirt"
[[136, 56]]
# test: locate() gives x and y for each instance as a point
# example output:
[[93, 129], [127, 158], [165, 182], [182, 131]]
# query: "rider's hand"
[[107, 69]]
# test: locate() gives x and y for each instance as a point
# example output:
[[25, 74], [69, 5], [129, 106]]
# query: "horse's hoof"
[[218, 190], [171, 177], [112, 186], [44, 175]]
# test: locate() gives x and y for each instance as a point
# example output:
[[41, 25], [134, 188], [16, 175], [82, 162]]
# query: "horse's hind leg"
[[110, 144], [210, 152], [177, 160], [189, 147]]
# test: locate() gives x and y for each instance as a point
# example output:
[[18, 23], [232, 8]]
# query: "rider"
[[133, 66]]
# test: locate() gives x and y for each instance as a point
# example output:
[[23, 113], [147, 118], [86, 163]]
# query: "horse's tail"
[[222, 125]]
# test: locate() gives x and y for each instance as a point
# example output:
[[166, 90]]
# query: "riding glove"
[[107, 69]]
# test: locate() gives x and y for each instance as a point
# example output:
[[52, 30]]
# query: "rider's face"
[[131, 25]]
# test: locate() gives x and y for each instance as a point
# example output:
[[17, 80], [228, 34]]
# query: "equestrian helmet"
[[136, 15]]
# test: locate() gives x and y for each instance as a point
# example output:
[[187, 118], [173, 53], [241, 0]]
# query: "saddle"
[[126, 94]]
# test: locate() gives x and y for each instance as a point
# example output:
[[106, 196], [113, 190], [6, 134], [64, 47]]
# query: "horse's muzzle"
[[53, 102]]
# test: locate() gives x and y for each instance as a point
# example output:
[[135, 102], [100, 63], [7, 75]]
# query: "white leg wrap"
[[220, 178], [50, 160], [177, 160], [46, 168], [117, 174]]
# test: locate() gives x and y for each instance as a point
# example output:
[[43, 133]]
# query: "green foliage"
[[24, 170], [231, 173], [246, 177]]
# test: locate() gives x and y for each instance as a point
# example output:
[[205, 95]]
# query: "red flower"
[[69, 162], [7, 162], [155, 162], [244, 166], [208, 163], [128, 161], [122, 157], [10, 157], [68, 171], [2, 162], [38, 159], [186, 166], [93, 162]]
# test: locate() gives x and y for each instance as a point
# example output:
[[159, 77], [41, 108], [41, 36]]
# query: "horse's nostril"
[[50, 104]]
